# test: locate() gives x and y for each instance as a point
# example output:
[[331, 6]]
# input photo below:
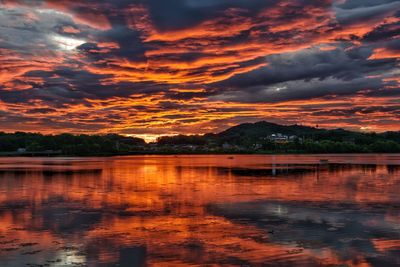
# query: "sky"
[[158, 67]]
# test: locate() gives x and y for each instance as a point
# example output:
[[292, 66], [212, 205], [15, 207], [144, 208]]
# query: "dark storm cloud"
[[177, 14], [395, 110], [352, 4], [357, 11], [383, 32], [130, 44], [65, 85], [301, 90], [42, 110], [307, 74], [393, 44]]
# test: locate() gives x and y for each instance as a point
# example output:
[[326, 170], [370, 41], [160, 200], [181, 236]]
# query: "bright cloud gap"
[[67, 43]]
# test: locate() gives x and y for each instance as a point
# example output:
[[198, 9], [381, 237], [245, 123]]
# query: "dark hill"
[[264, 129], [257, 137], [255, 131]]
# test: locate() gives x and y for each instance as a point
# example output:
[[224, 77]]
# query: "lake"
[[203, 210]]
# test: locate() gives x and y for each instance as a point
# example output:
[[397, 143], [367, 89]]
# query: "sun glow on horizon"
[[149, 138]]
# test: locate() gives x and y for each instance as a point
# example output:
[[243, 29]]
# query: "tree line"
[[69, 144]]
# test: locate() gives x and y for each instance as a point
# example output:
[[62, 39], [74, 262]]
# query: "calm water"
[[200, 210]]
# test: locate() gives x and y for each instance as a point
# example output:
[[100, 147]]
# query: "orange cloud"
[[381, 53]]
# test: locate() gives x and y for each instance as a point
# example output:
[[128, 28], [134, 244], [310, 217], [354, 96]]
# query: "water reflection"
[[197, 210]]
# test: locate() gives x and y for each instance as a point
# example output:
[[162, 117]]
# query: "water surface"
[[201, 211]]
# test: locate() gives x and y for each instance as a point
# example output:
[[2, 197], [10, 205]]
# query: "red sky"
[[154, 67]]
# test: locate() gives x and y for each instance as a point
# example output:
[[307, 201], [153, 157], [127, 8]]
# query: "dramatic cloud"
[[184, 66]]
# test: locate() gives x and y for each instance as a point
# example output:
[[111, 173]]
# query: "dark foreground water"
[[200, 210]]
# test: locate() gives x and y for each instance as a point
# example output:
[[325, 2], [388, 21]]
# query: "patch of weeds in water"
[[28, 244], [295, 251], [9, 241], [31, 252], [54, 261], [310, 244], [9, 249], [80, 253], [18, 229], [69, 248], [78, 264]]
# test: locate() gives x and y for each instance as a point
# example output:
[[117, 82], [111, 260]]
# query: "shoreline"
[[103, 155]]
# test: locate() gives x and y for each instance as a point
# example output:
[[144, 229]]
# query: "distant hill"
[[263, 129], [258, 137]]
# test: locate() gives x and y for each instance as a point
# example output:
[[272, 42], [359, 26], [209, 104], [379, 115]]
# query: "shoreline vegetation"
[[249, 138]]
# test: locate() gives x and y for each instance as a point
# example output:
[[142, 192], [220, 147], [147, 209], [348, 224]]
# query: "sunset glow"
[[151, 68]]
